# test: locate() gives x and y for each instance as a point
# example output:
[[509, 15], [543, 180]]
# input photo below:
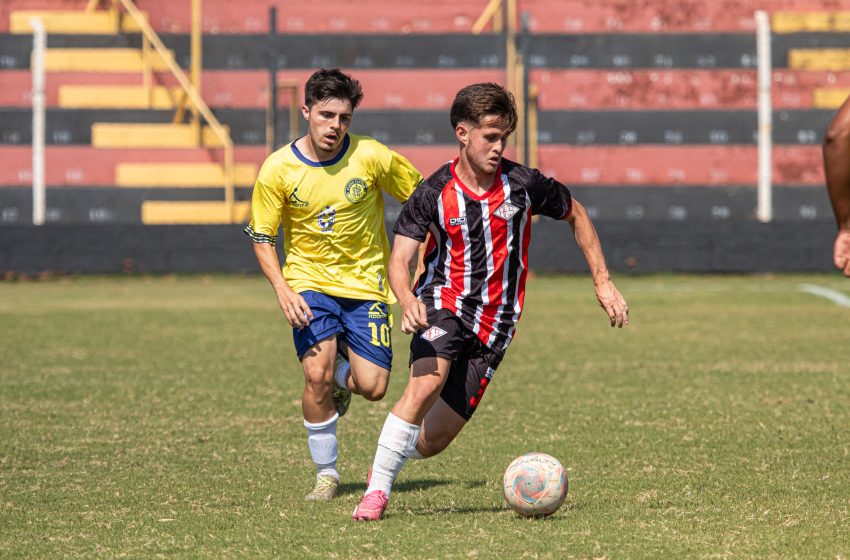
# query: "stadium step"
[[100, 60], [167, 212], [117, 97], [807, 22], [819, 59], [151, 135], [830, 98], [188, 175], [72, 22]]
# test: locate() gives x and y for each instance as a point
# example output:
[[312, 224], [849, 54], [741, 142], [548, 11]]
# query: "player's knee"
[[316, 380], [375, 392], [428, 447]]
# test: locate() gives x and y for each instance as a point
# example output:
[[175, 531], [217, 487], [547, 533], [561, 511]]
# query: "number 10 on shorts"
[[380, 334]]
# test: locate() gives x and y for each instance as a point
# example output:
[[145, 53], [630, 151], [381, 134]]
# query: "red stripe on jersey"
[[455, 272]]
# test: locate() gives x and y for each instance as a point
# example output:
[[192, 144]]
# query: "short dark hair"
[[477, 101], [332, 84]]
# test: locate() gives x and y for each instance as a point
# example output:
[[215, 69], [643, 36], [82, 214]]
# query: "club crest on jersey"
[[326, 219], [432, 334], [296, 202], [506, 211], [375, 312], [459, 221], [355, 190]]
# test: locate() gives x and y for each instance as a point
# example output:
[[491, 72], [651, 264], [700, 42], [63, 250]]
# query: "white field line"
[[836, 297]]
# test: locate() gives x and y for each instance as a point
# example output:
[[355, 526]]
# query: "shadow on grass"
[[403, 486]]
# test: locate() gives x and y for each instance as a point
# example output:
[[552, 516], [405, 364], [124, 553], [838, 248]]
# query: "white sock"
[[321, 439], [397, 440], [414, 453], [343, 370]]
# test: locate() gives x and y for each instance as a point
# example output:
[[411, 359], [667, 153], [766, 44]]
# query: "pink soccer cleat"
[[372, 507]]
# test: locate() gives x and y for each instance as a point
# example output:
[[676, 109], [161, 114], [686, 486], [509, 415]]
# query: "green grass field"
[[147, 417]]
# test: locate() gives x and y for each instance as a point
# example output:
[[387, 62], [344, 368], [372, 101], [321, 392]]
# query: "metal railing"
[[190, 90]]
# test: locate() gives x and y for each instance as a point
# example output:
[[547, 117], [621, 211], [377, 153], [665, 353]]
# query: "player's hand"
[[414, 315], [841, 252], [613, 303], [295, 309]]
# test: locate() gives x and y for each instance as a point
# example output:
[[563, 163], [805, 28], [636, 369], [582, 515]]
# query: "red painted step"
[[573, 165], [678, 165], [246, 89], [676, 89], [87, 166]]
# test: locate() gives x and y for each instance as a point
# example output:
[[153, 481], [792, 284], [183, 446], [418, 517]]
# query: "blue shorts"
[[363, 325]]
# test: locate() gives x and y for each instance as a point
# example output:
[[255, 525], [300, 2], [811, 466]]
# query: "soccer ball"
[[535, 485]]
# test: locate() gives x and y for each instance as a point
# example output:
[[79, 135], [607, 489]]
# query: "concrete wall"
[[644, 246]]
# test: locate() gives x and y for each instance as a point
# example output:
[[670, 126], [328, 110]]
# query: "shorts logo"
[[506, 211], [457, 221], [326, 219], [375, 312], [295, 201], [355, 190], [433, 334]]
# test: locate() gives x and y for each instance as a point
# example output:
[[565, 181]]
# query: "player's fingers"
[[847, 269], [405, 325]]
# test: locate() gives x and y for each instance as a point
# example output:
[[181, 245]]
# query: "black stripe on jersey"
[[477, 271]]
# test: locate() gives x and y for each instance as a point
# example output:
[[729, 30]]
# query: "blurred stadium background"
[[647, 109]]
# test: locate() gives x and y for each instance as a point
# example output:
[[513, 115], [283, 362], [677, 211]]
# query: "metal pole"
[[523, 57], [764, 210], [271, 131], [197, 64], [39, 40]]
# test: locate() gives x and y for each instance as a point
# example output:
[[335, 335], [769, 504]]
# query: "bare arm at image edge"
[[836, 159]]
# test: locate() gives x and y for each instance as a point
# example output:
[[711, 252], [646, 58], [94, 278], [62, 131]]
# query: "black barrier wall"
[[630, 246]]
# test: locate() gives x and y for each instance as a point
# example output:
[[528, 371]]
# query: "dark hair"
[[477, 101], [332, 84]]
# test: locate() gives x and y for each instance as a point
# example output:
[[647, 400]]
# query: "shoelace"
[[323, 484]]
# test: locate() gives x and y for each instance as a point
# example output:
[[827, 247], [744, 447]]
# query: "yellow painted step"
[[71, 22], [151, 135], [799, 22], [118, 97], [161, 212], [100, 60], [830, 98], [819, 59], [189, 175]]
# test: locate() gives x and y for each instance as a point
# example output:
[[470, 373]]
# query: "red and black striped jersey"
[[476, 260]]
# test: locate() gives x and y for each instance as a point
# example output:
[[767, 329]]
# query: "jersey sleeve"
[[266, 208], [417, 214], [548, 196], [397, 175]]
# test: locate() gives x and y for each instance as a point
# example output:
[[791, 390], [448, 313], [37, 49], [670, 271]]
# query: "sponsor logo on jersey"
[[432, 334], [375, 312], [506, 211], [355, 190], [326, 219], [296, 202], [459, 221]]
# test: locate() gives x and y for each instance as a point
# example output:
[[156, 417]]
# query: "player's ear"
[[306, 112], [462, 133]]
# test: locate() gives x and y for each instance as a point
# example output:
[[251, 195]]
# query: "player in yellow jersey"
[[325, 191]]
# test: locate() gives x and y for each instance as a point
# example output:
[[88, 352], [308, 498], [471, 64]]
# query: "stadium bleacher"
[[648, 109]]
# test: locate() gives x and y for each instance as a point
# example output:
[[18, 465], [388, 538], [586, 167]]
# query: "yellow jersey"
[[332, 215]]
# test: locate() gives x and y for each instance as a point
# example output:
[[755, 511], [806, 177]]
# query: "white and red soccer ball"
[[535, 485]]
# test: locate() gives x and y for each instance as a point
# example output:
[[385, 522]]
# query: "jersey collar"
[[497, 181], [346, 142]]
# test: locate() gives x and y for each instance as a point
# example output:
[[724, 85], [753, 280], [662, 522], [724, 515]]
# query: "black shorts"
[[473, 363]]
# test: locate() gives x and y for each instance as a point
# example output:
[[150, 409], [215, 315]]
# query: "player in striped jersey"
[[468, 300], [324, 190]]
